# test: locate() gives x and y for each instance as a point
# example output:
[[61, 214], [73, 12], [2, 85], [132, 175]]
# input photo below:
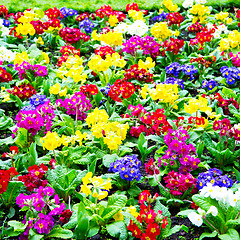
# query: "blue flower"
[[36, 100], [211, 84], [6, 23], [127, 167], [173, 69], [230, 81]]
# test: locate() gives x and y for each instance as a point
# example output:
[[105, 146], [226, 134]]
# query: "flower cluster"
[[210, 84], [89, 89], [66, 51], [137, 73], [179, 183], [112, 38], [174, 18], [73, 35], [36, 117], [222, 194], [95, 186], [204, 61], [150, 222], [150, 123], [179, 154], [99, 64], [78, 105], [195, 27], [23, 91], [174, 46], [127, 167], [166, 93], [113, 133], [53, 13], [224, 103], [68, 12], [87, 25], [103, 51], [147, 44], [199, 12], [231, 74], [26, 68], [160, 31], [215, 177], [4, 75], [175, 69], [197, 104], [35, 177], [5, 177], [46, 207], [121, 88]]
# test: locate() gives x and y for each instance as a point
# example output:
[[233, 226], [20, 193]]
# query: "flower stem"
[[159, 182], [204, 217]]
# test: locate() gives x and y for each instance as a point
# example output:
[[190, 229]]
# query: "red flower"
[[143, 196], [153, 230], [14, 149], [165, 222], [150, 217]]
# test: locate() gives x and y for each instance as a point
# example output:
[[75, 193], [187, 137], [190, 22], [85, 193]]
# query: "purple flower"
[[57, 210], [44, 224], [127, 167], [39, 204], [48, 191]]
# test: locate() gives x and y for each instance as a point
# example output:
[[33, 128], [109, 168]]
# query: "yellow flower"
[[161, 31], [170, 5], [136, 15], [20, 58], [144, 91], [133, 211], [197, 104], [25, 29], [51, 141], [40, 41], [85, 189], [97, 116], [86, 179], [118, 216], [149, 63], [45, 56], [55, 89], [63, 92], [113, 20]]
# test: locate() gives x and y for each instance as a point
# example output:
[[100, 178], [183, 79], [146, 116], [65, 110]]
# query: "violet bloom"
[[57, 210], [48, 191], [39, 204], [45, 224]]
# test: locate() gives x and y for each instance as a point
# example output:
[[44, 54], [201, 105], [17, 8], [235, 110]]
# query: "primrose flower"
[[95, 186], [195, 218], [51, 141]]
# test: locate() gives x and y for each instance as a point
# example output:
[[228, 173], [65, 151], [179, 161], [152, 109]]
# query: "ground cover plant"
[[120, 124]]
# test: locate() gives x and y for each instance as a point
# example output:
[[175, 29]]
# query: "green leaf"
[[208, 235], [115, 228], [185, 212], [22, 138], [109, 158], [13, 189], [33, 154], [115, 203], [233, 222], [85, 159], [59, 232], [18, 226], [176, 229], [231, 234]]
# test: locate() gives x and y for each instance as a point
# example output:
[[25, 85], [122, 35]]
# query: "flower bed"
[[120, 125]]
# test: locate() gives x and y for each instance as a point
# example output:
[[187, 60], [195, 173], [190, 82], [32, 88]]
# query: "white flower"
[[209, 190], [195, 218], [232, 198], [213, 210], [138, 28], [187, 3], [221, 194], [121, 27]]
